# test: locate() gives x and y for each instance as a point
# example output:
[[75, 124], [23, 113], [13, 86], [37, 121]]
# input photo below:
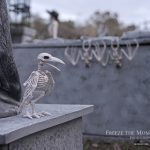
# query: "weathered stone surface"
[[10, 89], [16, 127], [66, 136]]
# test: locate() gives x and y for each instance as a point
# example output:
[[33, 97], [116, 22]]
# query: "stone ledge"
[[16, 127], [62, 43]]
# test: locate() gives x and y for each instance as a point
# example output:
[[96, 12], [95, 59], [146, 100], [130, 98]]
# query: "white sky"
[[130, 11]]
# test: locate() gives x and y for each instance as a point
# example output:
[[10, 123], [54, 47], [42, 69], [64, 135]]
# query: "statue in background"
[[10, 89], [54, 24]]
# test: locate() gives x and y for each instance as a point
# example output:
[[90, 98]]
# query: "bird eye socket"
[[46, 57]]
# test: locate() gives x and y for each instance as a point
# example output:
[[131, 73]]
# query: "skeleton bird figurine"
[[38, 84]]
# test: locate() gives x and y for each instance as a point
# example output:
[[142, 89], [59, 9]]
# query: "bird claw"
[[29, 116], [44, 113], [36, 115]]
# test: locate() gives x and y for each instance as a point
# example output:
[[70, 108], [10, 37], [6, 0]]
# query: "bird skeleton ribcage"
[[40, 82]]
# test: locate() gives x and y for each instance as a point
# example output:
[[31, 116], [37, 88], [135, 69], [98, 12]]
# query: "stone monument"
[[10, 88], [54, 24]]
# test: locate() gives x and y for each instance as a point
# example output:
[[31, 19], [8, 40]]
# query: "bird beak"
[[54, 67], [54, 59]]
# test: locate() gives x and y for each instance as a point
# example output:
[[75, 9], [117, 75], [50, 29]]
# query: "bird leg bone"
[[38, 114], [33, 113], [27, 113]]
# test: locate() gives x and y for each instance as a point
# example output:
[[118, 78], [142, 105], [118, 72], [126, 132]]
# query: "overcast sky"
[[130, 11]]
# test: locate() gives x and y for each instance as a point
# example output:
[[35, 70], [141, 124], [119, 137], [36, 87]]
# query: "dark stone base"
[[62, 130], [66, 136]]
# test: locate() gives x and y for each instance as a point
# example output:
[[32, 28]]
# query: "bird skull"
[[47, 58]]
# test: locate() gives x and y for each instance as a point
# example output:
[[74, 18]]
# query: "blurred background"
[[82, 18]]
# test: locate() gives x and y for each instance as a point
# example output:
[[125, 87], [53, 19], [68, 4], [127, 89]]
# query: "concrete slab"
[[16, 127]]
